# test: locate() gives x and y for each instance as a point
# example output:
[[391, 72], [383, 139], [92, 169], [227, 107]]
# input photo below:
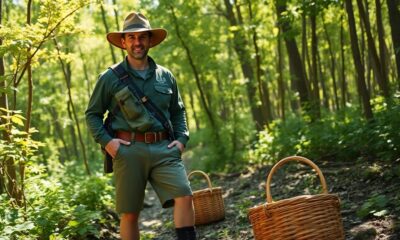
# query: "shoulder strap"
[[119, 70], [125, 78]]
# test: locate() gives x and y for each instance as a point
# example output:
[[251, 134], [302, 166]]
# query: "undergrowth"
[[66, 205], [344, 136]]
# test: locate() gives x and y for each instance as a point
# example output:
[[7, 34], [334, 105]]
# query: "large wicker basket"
[[305, 217], [208, 203]]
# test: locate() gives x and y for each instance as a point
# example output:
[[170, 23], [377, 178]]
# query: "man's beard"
[[139, 56]]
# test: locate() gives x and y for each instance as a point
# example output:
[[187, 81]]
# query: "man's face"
[[137, 44]]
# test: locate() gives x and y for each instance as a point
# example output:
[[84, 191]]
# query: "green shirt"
[[159, 85]]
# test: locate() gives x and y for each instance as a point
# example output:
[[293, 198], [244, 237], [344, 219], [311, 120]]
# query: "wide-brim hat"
[[137, 22]]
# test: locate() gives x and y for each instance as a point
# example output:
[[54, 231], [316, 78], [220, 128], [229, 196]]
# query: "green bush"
[[344, 135], [70, 207]]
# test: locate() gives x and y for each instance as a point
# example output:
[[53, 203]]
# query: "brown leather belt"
[[147, 137]]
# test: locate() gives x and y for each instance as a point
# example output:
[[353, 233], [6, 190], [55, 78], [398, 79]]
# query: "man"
[[142, 150]]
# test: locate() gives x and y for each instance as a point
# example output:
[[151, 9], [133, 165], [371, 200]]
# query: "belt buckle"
[[147, 134]]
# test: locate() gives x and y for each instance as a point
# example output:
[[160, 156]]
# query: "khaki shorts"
[[138, 163]]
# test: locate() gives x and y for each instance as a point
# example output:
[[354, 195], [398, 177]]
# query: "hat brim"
[[157, 36]]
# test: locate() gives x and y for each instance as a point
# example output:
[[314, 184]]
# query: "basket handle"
[[205, 175], [298, 159]]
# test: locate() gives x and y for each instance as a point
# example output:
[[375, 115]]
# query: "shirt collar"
[[151, 70]]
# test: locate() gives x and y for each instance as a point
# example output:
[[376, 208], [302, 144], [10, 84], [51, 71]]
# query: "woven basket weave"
[[305, 217], [208, 203]]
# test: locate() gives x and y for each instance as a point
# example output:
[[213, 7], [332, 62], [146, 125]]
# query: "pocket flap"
[[123, 94], [163, 89]]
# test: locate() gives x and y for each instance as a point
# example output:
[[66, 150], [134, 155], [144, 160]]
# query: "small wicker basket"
[[208, 203], [305, 217]]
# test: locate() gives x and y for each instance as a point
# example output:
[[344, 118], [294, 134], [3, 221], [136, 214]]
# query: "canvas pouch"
[[135, 113]]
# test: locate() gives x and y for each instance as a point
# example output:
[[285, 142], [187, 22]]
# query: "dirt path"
[[355, 183]]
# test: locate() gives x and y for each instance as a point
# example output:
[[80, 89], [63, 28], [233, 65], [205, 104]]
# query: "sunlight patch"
[[153, 223]]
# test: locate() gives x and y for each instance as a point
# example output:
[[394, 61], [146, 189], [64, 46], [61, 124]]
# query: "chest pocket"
[[163, 89], [164, 94]]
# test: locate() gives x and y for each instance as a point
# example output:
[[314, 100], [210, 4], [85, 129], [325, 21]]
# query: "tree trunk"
[[67, 75], [240, 44], [314, 51], [234, 135], [220, 149], [333, 65], [376, 63], [343, 66], [308, 70], [281, 84], [204, 102], [192, 105], [382, 44], [305, 55], [104, 18], [21, 195], [304, 47], [72, 131], [268, 104], [361, 86], [394, 19], [3, 104], [85, 72], [223, 106], [116, 15], [325, 91], [263, 91], [295, 63]]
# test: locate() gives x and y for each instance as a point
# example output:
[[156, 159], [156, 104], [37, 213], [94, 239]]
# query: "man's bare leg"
[[129, 229], [184, 218], [183, 212]]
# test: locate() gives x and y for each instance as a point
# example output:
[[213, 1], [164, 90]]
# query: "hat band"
[[136, 26]]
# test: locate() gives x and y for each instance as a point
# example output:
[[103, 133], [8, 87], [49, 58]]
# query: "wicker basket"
[[299, 218], [208, 203]]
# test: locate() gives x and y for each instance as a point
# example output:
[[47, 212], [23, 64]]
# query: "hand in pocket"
[[113, 145]]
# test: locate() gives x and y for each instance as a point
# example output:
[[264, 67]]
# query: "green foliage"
[[244, 206], [226, 155], [375, 205], [343, 136], [146, 236], [66, 206], [19, 145]]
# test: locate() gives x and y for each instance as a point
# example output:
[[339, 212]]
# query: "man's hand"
[[178, 144], [113, 145]]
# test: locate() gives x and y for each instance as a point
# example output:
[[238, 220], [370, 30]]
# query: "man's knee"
[[130, 217], [184, 200]]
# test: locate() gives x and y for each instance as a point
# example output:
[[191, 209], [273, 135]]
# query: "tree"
[[104, 18], [24, 44], [380, 75], [239, 44], [298, 75], [66, 69], [333, 64], [3, 101], [394, 19], [263, 90], [361, 86]]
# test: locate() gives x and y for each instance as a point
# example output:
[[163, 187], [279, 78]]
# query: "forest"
[[260, 79]]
